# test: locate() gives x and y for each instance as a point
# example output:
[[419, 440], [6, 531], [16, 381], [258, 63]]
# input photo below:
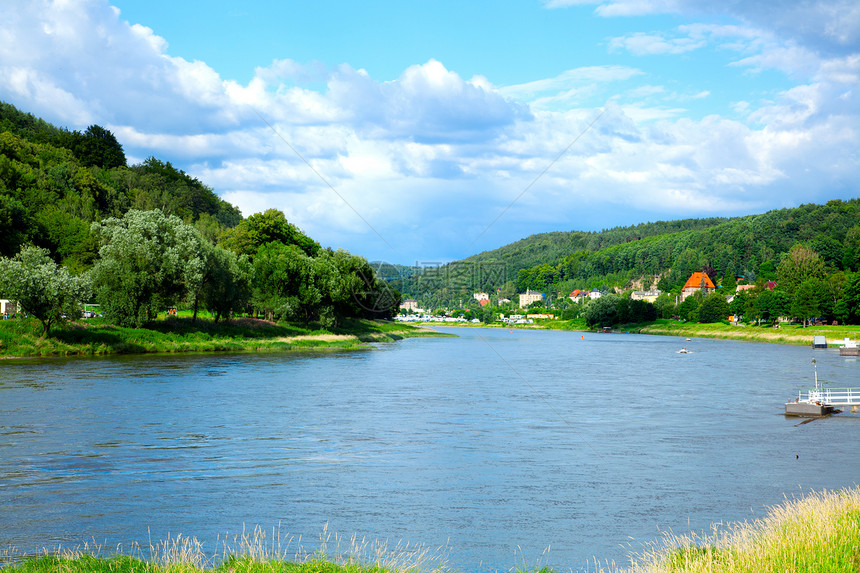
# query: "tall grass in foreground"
[[817, 533], [254, 552]]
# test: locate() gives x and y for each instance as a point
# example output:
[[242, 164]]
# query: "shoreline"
[[789, 334], [181, 336]]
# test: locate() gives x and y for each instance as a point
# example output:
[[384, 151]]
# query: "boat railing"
[[831, 396]]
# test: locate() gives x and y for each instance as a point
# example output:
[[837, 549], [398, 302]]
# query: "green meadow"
[[22, 337]]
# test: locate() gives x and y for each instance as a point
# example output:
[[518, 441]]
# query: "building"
[[529, 297], [410, 304], [479, 296], [8, 307], [647, 295], [697, 282], [504, 301], [484, 301], [595, 294], [577, 295]]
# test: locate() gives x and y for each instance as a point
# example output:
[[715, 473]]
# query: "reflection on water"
[[500, 443]]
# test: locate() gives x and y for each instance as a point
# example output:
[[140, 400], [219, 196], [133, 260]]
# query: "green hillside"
[[746, 248], [78, 225], [54, 183]]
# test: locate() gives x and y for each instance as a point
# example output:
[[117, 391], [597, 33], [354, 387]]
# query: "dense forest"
[[77, 224]]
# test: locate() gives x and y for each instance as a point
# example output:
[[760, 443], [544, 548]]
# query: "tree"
[[260, 229], [42, 288], [631, 311], [689, 308], [16, 224], [806, 299], [147, 262], [285, 283], [714, 308], [851, 253], [799, 264], [730, 283], [228, 289], [851, 299], [665, 305], [771, 304], [98, 146], [602, 311], [738, 306], [834, 289]]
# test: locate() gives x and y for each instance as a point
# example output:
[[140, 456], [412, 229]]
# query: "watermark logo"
[[383, 286]]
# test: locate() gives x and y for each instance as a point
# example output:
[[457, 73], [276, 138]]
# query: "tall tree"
[[851, 299], [228, 288], [263, 228], [286, 283], [714, 308], [147, 262], [42, 288], [98, 146], [801, 263], [806, 299]]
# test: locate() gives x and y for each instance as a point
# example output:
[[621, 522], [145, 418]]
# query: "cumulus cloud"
[[830, 27]]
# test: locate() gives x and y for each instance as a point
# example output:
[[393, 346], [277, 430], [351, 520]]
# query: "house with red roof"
[[577, 295], [697, 282]]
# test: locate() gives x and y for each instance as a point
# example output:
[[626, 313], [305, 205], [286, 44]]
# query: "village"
[[699, 282]]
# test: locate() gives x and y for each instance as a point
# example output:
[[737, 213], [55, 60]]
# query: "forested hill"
[[139, 239], [54, 183], [549, 247], [663, 253]]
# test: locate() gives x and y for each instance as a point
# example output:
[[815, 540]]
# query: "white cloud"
[[641, 44], [430, 158]]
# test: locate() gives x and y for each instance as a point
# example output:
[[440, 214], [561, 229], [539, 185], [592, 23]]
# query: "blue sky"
[[424, 132]]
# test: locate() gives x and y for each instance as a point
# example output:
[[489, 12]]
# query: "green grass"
[[93, 337], [786, 334], [817, 533]]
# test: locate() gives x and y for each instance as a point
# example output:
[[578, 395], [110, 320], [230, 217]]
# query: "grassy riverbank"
[[94, 337], [786, 334], [816, 533]]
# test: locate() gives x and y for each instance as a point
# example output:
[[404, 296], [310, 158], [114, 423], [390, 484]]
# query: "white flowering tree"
[[147, 262], [42, 288]]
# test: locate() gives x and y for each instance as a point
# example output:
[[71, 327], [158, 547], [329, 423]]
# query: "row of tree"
[[149, 261]]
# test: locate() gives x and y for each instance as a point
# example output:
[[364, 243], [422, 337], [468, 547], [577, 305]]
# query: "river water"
[[508, 448]]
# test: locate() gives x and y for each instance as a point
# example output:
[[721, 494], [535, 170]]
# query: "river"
[[506, 448]]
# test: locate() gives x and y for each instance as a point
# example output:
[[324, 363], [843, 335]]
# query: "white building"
[[529, 297], [648, 295], [8, 307]]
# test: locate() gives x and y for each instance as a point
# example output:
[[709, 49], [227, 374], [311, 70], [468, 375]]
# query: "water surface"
[[499, 444]]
